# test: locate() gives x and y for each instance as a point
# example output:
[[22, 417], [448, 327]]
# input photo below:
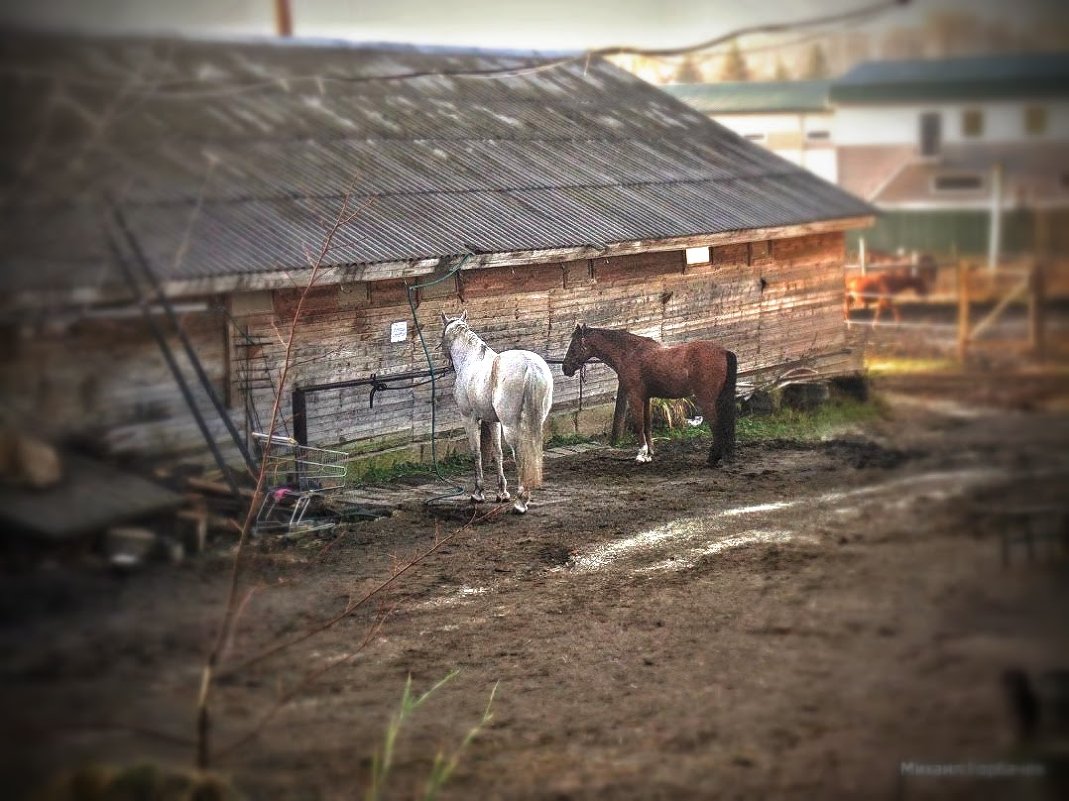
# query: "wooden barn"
[[567, 190]]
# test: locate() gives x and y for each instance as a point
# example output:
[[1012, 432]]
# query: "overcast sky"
[[537, 24]]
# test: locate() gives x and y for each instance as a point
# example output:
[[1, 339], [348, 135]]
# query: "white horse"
[[510, 393]]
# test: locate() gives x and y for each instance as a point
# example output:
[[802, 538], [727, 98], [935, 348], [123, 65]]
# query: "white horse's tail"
[[537, 400]]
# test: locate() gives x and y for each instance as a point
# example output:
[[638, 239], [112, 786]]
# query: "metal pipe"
[[299, 399], [411, 375], [299, 406]]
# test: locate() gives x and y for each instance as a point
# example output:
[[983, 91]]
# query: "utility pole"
[[994, 239], [283, 18]]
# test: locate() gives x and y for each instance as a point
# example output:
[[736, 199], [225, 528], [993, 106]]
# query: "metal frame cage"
[[299, 483]]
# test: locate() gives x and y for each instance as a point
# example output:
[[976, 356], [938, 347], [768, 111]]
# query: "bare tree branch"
[[233, 602]]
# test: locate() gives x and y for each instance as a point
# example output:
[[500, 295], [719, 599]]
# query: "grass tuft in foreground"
[[444, 763]]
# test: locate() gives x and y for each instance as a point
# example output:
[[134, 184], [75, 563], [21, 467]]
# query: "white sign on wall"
[[399, 331]]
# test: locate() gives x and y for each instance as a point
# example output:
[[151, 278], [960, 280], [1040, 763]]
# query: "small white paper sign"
[[399, 331]]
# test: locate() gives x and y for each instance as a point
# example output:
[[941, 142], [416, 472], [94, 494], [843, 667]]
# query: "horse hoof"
[[520, 507], [503, 496], [643, 458], [478, 497]]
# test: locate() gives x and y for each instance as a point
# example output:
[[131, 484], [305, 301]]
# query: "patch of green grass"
[[383, 474], [806, 425], [680, 433], [784, 423], [906, 365], [562, 440]]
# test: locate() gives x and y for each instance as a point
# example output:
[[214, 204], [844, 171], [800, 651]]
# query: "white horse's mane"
[[463, 330]]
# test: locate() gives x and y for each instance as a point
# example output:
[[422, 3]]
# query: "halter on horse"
[[509, 393], [647, 369]]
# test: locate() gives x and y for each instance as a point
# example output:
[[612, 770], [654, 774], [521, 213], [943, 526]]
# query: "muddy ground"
[[793, 626]]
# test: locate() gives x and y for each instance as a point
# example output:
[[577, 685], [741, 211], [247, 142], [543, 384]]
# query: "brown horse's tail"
[[724, 427]]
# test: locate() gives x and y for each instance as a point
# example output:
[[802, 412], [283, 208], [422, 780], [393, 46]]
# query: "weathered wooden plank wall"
[[771, 302], [105, 383]]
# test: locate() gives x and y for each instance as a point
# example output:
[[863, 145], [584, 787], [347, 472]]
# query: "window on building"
[[931, 133], [697, 255], [957, 183], [972, 122], [1035, 120], [818, 135]]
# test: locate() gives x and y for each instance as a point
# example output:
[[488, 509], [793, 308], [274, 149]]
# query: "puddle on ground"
[[691, 557], [711, 528], [679, 544], [461, 595]]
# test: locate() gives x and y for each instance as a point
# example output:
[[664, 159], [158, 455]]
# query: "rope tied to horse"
[[379, 385]]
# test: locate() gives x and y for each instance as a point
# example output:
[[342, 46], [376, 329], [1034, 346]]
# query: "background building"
[[791, 118], [962, 155]]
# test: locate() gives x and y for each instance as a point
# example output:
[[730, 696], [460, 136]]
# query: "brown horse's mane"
[[621, 337]]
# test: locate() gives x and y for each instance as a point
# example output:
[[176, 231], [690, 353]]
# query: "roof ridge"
[[229, 201]]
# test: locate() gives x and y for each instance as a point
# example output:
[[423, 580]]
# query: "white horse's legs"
[[494, 440], [523, 495], [474, 442]]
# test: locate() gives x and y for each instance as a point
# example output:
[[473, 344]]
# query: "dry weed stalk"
[[237, 601], [233, 602], [351, 607]]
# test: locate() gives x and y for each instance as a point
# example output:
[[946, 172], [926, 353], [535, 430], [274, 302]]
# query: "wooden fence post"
[[963, 310], [1036, 303], [1037, 285]]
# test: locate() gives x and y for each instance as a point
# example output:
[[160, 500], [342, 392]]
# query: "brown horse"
[[647, 369], [881, 287]]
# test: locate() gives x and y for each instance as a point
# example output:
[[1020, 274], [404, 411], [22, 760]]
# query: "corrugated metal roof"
[[1016, 76], [232, 158], [735, 97]]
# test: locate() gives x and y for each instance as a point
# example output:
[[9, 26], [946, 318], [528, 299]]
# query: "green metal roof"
[[973, 78], [752, 96]]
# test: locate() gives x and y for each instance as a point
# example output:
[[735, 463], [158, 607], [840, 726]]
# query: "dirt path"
[[793, 626]]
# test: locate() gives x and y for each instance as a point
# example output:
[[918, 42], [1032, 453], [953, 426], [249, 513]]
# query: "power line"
[[774, 27], [585, 57]]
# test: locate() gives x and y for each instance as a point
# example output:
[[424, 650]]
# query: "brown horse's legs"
[[640, 411], [647, 425], [707, 405]]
